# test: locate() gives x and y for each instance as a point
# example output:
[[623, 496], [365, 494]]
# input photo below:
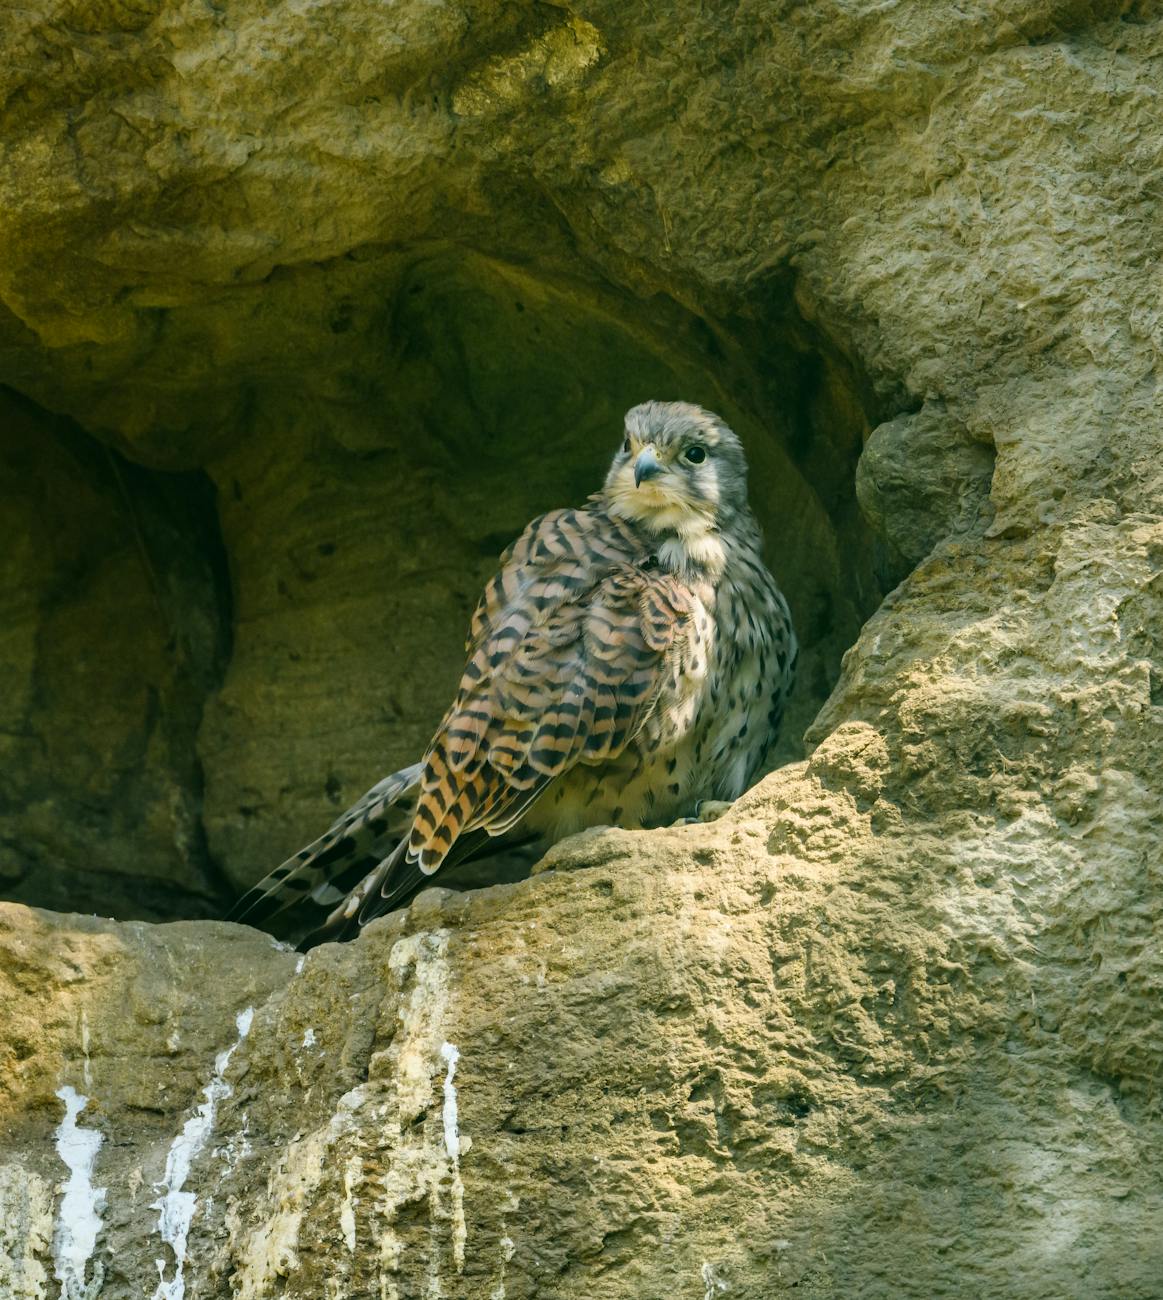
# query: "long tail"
[[357, 869], [395, 880], [301, 892]]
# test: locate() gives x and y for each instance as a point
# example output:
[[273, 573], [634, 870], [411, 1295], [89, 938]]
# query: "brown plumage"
[[628, 659]]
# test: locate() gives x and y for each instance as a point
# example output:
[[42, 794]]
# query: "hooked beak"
[[646, 466]]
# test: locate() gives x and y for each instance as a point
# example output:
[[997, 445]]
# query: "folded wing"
[[570, 646]]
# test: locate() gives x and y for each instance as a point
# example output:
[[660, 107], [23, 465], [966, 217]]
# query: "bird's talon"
[[710, 810]]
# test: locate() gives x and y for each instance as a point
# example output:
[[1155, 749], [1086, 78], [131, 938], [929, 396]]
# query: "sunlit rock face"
[[303, 314]]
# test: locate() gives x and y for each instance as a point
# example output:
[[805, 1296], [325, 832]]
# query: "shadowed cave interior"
[[216, 636]]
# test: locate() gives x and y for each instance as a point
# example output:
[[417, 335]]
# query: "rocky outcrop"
[[385, 280]]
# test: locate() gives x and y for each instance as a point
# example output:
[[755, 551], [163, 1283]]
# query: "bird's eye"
[[626, 445], [696, 455]]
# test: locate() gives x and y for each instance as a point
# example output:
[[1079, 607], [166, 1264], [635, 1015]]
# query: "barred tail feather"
[[321, 874], [397, 879]]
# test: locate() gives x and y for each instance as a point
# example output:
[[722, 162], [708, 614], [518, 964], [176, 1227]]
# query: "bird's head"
[[679, 470]]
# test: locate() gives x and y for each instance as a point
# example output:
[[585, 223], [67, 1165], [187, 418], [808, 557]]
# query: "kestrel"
[[630, 659]]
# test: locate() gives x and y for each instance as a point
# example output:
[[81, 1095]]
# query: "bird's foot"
[[710, 810]]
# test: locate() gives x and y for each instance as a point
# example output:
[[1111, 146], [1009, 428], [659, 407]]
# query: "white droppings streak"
[[713, 1283], [426, 1158], [352, 1177], [450, 1055], [177, 1206], [269, 1251], [79, 1221]]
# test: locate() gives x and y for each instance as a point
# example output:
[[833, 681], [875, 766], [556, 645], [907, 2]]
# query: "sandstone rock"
[[921, 479], [386, 278], [825, 1043]]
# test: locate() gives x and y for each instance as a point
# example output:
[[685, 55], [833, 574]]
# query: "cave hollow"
[[240, 573]]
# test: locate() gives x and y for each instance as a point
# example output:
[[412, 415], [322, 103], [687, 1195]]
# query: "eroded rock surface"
[[831, 1042], [891, 1027]]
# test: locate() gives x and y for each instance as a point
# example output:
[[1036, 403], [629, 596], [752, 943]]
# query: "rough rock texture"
[[378, 417], [891, 1027]]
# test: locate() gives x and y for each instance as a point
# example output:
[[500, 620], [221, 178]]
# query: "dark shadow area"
[[116, 623]]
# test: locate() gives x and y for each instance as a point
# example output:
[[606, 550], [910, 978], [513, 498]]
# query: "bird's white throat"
[[694, 550], [689, 538]]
